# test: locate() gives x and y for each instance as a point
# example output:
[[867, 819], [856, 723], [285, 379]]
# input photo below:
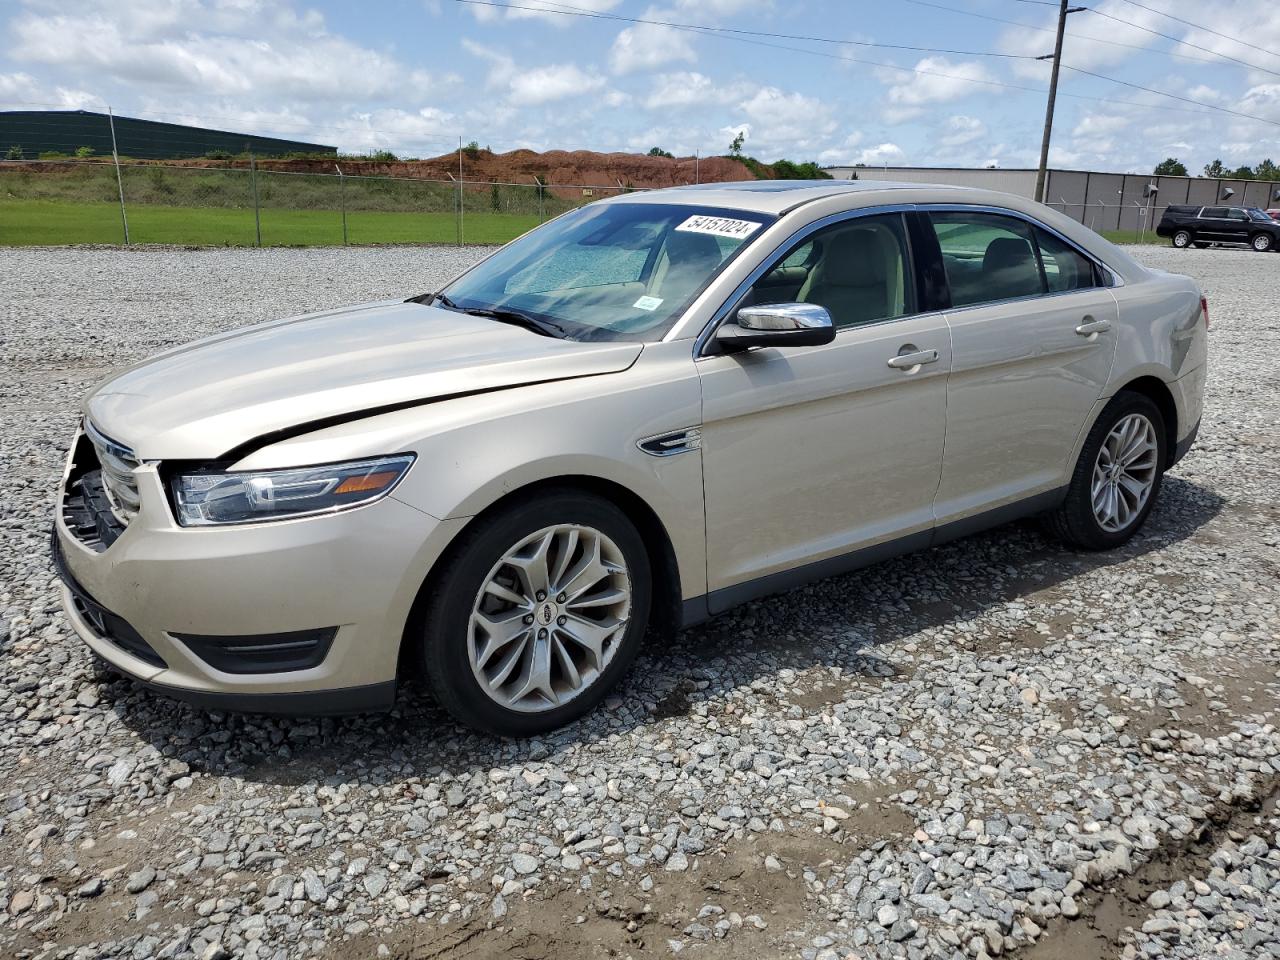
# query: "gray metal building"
[[1102, 201]]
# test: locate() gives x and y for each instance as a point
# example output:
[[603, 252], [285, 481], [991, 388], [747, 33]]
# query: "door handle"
[[1091, 326], [909, 361]]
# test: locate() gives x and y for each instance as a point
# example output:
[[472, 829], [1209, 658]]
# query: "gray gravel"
[[999, 746]]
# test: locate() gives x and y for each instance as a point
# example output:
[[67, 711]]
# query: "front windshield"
[[1257, 214], [611, 271]]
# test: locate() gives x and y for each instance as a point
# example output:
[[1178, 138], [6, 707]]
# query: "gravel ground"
[[995, 747]]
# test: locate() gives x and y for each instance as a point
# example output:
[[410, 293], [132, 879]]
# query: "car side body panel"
[[473, 451]]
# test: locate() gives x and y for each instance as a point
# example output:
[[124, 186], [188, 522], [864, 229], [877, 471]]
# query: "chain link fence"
[[239, 204]]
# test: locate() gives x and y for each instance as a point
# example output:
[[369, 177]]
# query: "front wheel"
[[1182, 239], [537, 614], [1117, 478], [1262, 242]]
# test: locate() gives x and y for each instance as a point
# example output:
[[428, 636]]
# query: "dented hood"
[[205, 399]]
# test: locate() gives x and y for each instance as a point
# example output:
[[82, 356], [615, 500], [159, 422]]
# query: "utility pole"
[[115, 156], [1063, 10]]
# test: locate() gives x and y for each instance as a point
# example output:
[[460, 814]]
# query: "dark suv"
[[1205, 225]]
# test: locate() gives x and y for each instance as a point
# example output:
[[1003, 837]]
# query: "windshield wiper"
[[516, 318]]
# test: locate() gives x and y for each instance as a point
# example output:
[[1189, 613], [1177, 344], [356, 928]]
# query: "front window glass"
[[1256, 214], [857, 269], [987, 257], [614, 271]]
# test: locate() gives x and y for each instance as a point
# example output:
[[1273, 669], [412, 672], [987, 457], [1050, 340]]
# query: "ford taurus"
[[638, 415]]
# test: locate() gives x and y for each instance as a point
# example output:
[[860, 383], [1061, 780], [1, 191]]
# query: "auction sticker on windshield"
[[720, 226]]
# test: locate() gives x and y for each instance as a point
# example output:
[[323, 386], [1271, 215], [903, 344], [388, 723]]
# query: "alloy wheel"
[[549, 618], [1124, 473]]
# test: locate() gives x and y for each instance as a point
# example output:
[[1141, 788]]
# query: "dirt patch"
[[1107, 913], [579, 167], [875, 816], [571, 924], [1239, 686]]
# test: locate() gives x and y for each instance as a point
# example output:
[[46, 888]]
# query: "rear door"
[[1213, 224], [1033, 338]]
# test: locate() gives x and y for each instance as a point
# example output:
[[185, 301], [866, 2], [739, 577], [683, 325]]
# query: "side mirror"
[[777, 325]]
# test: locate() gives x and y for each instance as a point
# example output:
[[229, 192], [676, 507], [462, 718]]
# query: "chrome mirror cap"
[[776, 325], [773, 317]]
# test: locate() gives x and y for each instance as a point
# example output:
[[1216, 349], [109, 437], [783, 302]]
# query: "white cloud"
[[219, 50], [555, 82], [646, 46], [962, 130], [553, 13], [1098, 125], [18, 90], [839, 154], [884, 153], [689, 88], [781, 121], [941, 81], [537, 85]]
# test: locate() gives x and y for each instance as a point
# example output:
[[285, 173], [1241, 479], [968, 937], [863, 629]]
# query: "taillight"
[[1204, 308]]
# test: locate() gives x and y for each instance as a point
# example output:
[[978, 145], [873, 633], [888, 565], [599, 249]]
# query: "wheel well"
[[665, 616], [1154, 389]]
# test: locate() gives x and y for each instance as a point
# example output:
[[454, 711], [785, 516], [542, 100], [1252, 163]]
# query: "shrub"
[[83, 152], [15, 153]]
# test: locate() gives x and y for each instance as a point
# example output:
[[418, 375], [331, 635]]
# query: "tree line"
[[1266, 170]]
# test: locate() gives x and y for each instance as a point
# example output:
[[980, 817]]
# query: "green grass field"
[[39, 222], [53, 222]]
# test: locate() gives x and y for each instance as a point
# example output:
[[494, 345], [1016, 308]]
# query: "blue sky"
[[414, 75]]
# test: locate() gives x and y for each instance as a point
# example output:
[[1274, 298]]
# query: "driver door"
[[826, 457]]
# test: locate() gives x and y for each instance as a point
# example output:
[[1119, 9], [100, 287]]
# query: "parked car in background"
[[1186, 226], [1274, 213], [645, 411]]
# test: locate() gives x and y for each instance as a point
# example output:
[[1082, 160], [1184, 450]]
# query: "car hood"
[[203, 400]]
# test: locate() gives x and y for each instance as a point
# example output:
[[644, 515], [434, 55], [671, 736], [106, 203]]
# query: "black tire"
[[1262, 242], [1182, 239], [1074, 521], [442, 648]]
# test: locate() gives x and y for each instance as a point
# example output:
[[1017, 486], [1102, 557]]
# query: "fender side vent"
[[669, 444]]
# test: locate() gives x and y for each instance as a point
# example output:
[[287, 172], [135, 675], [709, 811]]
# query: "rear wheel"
[[539, 612], [1182, 239], [1261, 242], [1117, 478]]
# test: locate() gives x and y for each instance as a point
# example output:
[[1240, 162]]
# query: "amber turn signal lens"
[[368, 483]]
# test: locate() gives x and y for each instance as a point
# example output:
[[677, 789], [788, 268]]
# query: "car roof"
[[778, 196]]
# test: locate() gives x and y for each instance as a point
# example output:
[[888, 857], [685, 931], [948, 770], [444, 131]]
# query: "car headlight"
[[209, 497]]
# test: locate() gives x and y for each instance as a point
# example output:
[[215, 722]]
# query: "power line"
[[1197, 26], [1169, 36], [731, 34], [1162, 93], [1075, 36], [565, 10]]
